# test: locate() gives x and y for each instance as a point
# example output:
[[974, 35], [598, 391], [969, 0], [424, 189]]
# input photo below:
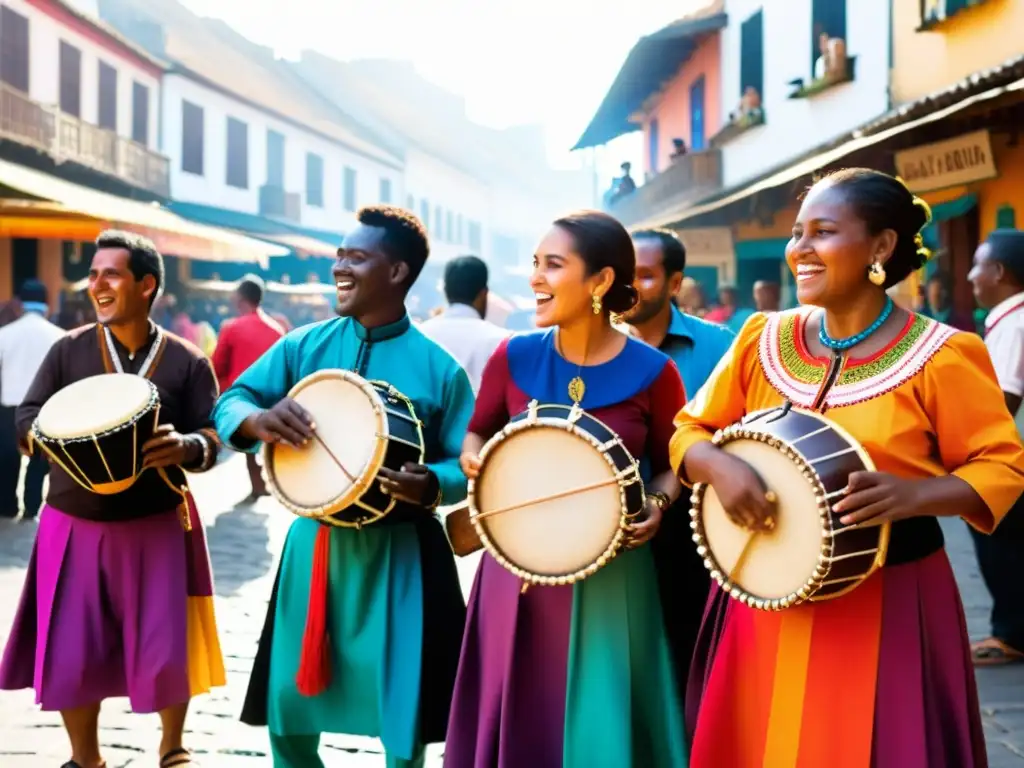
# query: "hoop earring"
[[876, 274], [595, 303]]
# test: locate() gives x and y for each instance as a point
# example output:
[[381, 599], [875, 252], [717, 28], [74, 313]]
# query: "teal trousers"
[[303, 752]]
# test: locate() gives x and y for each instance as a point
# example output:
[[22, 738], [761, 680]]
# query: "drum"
[[94, 429], [555, 493], [806, 460], [361, 426]]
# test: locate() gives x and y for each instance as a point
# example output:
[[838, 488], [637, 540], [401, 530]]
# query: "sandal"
[[176, 757], [994, 652]]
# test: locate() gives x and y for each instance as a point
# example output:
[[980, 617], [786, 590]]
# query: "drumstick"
[[334, 458], [742, 559], [552, 497]]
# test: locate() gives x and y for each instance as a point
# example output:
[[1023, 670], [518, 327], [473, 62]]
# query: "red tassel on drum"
[[315, 661]]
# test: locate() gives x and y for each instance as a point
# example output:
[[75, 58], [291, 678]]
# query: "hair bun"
[[621, 297]]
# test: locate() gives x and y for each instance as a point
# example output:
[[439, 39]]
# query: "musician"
[[998, 280], [118, 600], [577, 675], [387, 664], [695, 346], [880, 676]]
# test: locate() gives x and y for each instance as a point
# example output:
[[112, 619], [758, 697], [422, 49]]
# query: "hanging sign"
[[947, 163]]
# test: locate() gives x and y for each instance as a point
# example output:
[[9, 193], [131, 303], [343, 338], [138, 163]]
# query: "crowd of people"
[[645, 661]]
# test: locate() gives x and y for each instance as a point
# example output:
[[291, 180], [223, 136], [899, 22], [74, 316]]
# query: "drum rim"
[[745, 430], [566, 424], [323, 512], [154, 402]]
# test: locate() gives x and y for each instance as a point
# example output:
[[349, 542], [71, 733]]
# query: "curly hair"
[[405, 238]]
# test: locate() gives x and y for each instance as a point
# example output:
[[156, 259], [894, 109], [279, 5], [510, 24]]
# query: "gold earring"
[[595, 303], [876, 274]]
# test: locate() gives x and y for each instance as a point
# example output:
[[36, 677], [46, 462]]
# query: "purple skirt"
[[115, 609]]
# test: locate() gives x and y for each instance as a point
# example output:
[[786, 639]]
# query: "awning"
[[171, 233], [817, 162], [300, 240], [654, 60]]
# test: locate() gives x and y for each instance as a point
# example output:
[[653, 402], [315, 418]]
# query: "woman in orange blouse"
[[880, 677]]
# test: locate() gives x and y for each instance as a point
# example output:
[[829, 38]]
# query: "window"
[[70, 80], [474, 236], [275, 159], [13, 49], [314, 180], [349, 191], [652, 145], [450, 229], [439, 221], [107, 113], [697, 135], [410, 203], [828, 22], [425, 212], [191, 138], [752, 54], [238, 154], [934, 11], [458, 229], [385, 190], [140, 114]]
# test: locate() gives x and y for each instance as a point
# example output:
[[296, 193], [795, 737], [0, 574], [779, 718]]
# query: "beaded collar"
[[797, 375]]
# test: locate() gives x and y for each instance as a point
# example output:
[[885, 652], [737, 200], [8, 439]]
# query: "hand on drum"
[[642, 532], [876, 497], [470, 463], [412, 484], [287, 422], [743, 494], [166, 448]]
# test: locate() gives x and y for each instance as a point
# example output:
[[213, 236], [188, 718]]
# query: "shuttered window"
[[752, 54]]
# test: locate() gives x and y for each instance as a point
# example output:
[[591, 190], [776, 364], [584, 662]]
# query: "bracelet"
[[204, 446], [661, 499]]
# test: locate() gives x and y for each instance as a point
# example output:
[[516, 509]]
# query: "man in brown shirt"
[[118, 596]]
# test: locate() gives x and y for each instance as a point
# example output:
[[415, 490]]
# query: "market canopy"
[[65, 210]]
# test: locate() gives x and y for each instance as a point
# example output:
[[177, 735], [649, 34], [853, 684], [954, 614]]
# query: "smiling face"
[[831, 249], [560, 281], [116, 295], [364, 275]]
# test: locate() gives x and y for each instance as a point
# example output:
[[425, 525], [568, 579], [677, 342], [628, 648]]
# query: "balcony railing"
[[691, 177], [68, 139]]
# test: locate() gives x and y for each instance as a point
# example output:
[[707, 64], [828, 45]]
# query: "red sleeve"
[[221, 358], [491, 411], [667, 398]]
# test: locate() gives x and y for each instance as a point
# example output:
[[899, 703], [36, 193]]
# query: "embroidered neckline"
[[797, 374], [113, 360]]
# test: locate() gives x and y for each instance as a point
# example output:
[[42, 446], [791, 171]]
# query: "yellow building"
[[969, 166]]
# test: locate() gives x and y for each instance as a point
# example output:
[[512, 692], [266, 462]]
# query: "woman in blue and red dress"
[[577, 675]]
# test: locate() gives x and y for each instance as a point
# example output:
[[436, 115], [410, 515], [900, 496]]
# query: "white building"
[[243, 134], [773, 45]]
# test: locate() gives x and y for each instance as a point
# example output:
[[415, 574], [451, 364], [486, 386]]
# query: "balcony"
[[690, 178], [68, 139]]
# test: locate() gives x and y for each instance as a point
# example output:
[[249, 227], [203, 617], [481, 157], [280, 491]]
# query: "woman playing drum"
[[881, 675], [581, 674]]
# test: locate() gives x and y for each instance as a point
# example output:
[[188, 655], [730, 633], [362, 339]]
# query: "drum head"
[[556, 537], [781, 561], [94, 405], [309, 477]]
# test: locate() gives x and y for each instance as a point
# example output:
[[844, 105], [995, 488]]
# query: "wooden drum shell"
[[823, 456]]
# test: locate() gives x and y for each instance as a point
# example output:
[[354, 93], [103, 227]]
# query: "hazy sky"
[[515, 61]]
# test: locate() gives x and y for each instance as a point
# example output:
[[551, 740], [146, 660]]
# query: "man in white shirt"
[[24, 343], [998, 279], [461, 328]]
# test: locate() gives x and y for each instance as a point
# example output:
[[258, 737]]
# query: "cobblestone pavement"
[[244, 543]]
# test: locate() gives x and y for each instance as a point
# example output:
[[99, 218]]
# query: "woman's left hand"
[[877, 497], [641, 533]]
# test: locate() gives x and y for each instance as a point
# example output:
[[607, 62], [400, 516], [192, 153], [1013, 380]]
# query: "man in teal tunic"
[[395, 612]]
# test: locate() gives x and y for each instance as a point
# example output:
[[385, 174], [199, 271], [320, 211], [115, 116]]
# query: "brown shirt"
[[188, 390]]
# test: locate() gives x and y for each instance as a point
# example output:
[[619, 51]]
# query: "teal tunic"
[[388, 659]]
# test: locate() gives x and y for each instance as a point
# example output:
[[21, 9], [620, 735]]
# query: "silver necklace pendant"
[[116, 358]]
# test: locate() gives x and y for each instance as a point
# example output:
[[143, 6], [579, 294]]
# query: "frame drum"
[[94, 429], [361, 426], [809, 555], [554, 495]]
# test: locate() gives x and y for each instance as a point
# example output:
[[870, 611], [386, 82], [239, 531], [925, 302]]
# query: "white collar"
[[461, 310], [1003, 308]]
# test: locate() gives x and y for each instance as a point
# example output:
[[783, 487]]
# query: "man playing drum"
[[118, 600], [396, 612]]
